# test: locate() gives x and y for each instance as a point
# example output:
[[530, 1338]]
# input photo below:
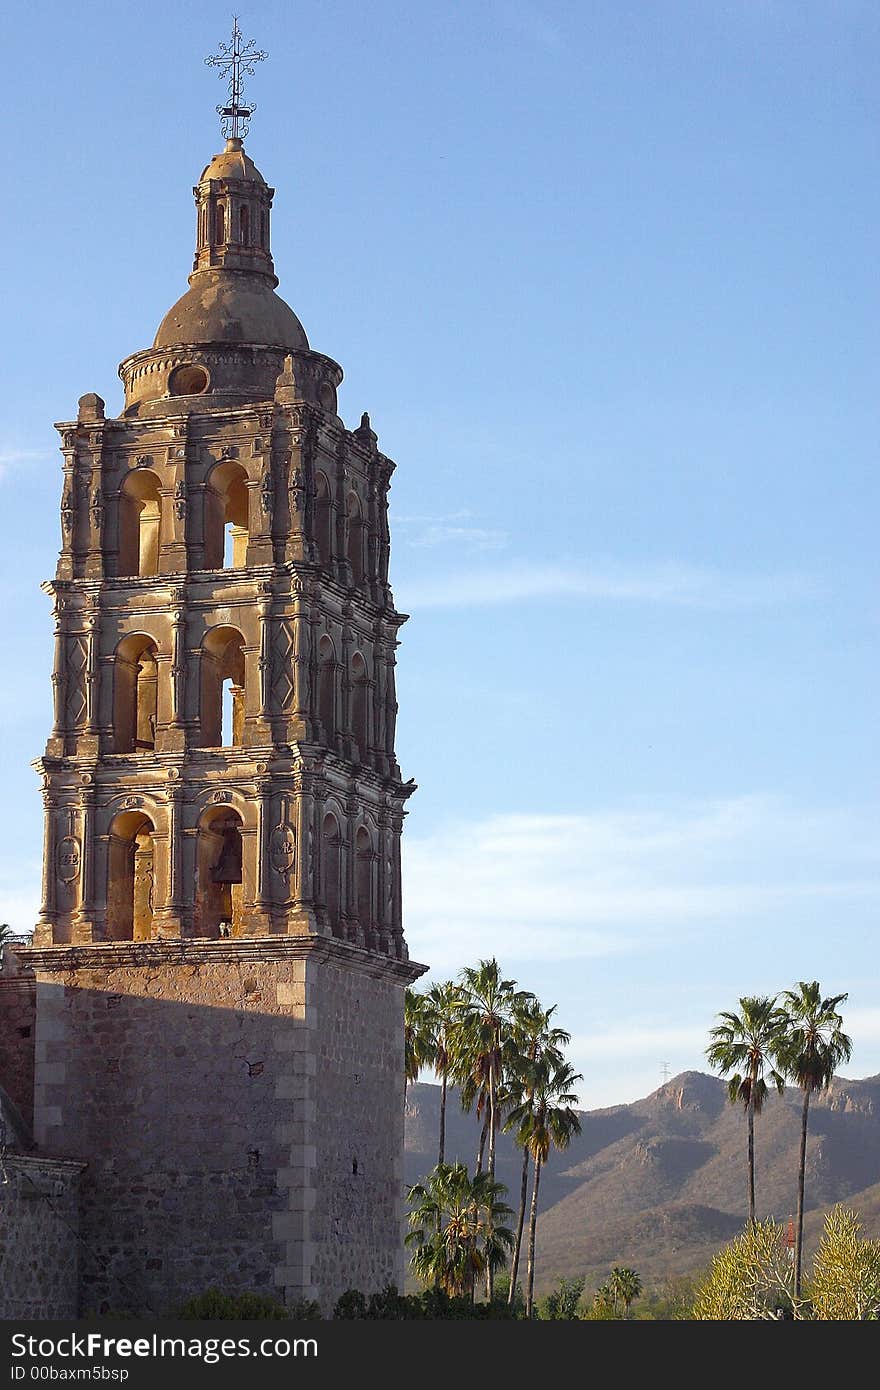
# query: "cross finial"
[[234, 60]]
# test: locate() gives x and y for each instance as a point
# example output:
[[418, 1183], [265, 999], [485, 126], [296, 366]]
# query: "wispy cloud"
[[456, 529], [567, 888], [11, 458], [676, 585]]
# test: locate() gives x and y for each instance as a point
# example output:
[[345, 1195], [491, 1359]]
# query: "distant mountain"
[[661, 1184]]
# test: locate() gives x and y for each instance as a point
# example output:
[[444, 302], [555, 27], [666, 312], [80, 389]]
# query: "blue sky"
[[604, 276]]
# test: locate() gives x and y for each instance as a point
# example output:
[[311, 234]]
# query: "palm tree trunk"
[[490, 1272], [441, 1159], [523, 1193], [751, 1114], [483, 1134], [802, 1168], [533, 1221]]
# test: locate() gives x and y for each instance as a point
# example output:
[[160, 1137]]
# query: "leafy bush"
[[561, 1304], [432, 1304], [246, 1307]]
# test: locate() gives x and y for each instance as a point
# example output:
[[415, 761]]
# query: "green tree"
[[547, 1119], [845, 1283], [533, 1040], [561, 1303], [443, 1002], [457, 1228], [604, 1307], [815, 1046], [747, 1044], [625, 1285], [485, 1011], [418, 1035], [751, 1279]]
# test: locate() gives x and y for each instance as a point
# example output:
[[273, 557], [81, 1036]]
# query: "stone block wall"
[[240, 1108], [39, 1248], [359, 1101], [17, 1028]]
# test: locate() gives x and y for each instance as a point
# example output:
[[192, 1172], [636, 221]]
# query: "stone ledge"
[[112, 955]]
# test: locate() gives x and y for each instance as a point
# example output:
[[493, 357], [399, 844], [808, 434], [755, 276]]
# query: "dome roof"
[[228, 306], [233, 163]]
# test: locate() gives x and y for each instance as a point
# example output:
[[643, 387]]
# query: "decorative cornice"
[[115, 955]]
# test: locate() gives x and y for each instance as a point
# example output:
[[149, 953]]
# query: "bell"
[[228, 866]]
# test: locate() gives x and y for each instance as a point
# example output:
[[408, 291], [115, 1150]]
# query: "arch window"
[[354, 513], [226, 517], [359, 705], [364, 880], [327, 686], [331, 857], [222, 676], [244, 233], [131, 868], [220, 224], [135, 694], [323, 518], [140, 518], [219, 878]]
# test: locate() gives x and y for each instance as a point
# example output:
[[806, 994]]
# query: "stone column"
[[44, 933]]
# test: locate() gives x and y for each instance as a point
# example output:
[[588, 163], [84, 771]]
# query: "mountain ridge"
[[660, 1183]]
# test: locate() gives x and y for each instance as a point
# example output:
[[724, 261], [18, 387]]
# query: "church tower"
[[219, 956]]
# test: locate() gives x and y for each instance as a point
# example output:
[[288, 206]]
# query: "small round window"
[[188, 380]]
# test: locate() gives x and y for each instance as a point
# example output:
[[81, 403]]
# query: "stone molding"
[[110, 955]]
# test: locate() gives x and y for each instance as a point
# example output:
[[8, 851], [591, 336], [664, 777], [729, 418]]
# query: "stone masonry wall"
[[241, 1117], [357, 1220], [165, 1079], [17, 1025], [39, 1218]]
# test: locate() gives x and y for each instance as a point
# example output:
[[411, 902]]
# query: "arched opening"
[[327, 686], [244, 233], [263, 242], [323, 514], [130, 877], [220, 224], [222, 672], [226, 517], [218, 905], [135, 694], [364, 881], [359, 695], [140, 517], [355, 538], [331, 860]]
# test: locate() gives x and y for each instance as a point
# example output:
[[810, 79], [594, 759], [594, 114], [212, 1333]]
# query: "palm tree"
[[485, 1010], [443, 1002], [457, 1228], [747, 1044], [418, 1035], [815, 1046], [532, 1039], [625, 1286], [546, 1119]]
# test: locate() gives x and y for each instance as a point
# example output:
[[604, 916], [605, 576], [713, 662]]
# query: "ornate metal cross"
[[234, 60]]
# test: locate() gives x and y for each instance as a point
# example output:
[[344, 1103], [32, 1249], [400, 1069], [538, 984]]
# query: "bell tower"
[[219, 954]]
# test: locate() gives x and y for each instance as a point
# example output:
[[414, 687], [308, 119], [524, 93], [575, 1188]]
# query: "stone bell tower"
[[219, 955]]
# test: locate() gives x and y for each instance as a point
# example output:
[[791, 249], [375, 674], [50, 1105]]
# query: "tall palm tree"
[[625, 1285], [533, 1039], [458, 1228], [547, 1119], [747, 1044], [418, 1035], [815, 1046], [485, 1011], [443, 1000]]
